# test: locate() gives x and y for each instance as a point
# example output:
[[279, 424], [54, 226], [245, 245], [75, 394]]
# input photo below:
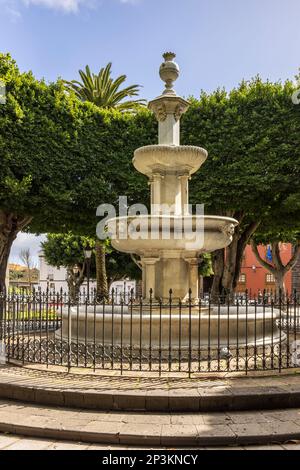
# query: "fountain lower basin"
[[157, 329]]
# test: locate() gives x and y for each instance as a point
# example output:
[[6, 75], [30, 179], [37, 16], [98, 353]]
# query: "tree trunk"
[[74, 282], [10, 226], [230, 265], [243, 241], [73, 289], [279, 282], [218, 268], [102, 285], [227, 262]]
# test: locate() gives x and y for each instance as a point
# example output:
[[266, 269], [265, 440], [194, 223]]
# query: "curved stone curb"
[[191, 400], [113, 393], [196, 429]]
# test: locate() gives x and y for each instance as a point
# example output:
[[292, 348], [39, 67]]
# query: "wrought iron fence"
[[239, 334]]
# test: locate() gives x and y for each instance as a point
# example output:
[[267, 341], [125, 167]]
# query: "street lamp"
[[76, 269], [88, 254]]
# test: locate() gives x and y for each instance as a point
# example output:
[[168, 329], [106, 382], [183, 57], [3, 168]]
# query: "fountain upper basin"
[[137, 234], [169, 157]]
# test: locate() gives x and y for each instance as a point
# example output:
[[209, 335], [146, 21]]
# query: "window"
[[270, 279], [242, 278]]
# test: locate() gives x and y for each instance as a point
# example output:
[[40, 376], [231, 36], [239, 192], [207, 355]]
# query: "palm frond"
[[103, 91]]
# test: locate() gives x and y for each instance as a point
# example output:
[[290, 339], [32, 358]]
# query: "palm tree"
[[103, 91]]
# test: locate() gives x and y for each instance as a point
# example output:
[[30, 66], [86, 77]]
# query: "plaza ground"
[[148, 412], [10, 442]]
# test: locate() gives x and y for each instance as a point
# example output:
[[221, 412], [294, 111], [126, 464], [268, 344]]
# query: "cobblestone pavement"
[[11, 443]]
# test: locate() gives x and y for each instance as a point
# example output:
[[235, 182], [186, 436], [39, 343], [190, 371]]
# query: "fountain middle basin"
[[188, 233]]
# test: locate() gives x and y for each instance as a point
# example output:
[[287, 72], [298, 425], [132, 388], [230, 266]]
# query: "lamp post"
[[76, 269], [88, 255]]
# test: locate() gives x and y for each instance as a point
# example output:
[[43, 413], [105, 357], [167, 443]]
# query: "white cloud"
[[13, 14], [12, 7], [69, 6]]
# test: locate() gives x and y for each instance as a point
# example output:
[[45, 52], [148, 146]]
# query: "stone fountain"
[[171, 260], [169, 256]]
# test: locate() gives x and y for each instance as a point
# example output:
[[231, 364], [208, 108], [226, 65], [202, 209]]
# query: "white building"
[[123, 289], [55, 279], [51, 277]]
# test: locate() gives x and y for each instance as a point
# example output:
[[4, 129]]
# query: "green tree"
[[60, 158], [283, 226], [67, 250], [253, 166], [276, 266], [104, 92]]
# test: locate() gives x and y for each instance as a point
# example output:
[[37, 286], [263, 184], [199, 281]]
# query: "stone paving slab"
[[9, 442], [194, 429], [110, 392]]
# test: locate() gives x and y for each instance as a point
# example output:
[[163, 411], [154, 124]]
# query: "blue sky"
[[217, 42]]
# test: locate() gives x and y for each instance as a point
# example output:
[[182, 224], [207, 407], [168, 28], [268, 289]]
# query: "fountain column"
[[150, 276], [184, 192], [193, 277], [156, 192]]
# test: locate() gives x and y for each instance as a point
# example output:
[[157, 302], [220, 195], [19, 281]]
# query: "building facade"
[[55, 279], [255, 278]]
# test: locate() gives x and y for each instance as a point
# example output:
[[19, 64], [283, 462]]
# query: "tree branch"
[[241, 245], [248, 232], [293, 259], [136, 261], [264, 263], [81, 274], [23, 222], [276, 256]]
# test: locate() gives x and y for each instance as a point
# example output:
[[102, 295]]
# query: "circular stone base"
[[161, 329]]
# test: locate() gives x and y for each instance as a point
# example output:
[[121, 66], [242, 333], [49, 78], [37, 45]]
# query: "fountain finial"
[[168, 107], [169, 72]]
